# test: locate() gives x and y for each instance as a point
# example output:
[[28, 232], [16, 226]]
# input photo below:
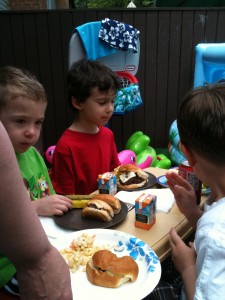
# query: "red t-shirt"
[[79, 158]]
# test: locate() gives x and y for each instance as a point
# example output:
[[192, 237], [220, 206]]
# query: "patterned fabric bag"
[[128, 97]]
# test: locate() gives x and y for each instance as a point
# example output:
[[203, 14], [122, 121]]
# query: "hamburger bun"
[[130, 177], [111, 200], [98, 209], [108, 270]]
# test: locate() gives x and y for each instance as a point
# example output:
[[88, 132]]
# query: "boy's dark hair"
[[201, 122], [84, 75]]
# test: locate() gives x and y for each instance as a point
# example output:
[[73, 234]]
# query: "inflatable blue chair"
[[209, 68], [209, 63]]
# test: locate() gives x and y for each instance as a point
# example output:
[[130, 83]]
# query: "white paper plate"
[[147, 260]]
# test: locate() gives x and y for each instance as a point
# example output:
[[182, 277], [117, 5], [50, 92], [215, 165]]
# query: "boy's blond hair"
[[16, 83]]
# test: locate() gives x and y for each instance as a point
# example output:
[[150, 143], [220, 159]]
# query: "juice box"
[[107, 183], [145, 211]]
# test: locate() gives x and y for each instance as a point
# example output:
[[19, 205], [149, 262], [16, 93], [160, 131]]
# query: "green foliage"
[[110, 3], [80, 3], [143, 3], [105, 3]]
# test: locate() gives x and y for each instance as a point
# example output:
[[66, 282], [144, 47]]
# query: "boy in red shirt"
[[87, 148]]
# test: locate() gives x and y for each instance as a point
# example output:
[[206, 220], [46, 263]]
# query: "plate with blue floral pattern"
[[121, 244]]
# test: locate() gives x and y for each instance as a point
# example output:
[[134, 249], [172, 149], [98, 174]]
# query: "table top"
[[158, 236]]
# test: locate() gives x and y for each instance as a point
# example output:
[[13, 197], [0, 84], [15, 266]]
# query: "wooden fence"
[[39, 40]]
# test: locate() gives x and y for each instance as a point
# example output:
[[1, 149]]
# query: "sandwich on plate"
[[109, 199], [130, 177], [108, 270], [98, 209]]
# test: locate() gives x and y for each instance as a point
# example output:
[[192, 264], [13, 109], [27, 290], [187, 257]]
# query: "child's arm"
[[185, 197], [184, 259], [52, 205]]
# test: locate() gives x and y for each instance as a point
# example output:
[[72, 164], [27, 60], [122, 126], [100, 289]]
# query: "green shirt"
[[35, 174], [36, 179]]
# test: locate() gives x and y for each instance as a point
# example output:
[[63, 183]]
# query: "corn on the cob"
[[80, 197], [79, 201]]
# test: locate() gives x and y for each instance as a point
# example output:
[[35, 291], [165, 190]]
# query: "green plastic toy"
[[138, 142]]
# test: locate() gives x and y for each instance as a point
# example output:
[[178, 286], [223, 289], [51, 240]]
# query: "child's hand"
[[184, 259], [52, 205], [185, 197], [183, 256], [183, 191]]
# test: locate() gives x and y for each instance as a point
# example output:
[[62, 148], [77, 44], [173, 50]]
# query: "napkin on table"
[[165, 198]]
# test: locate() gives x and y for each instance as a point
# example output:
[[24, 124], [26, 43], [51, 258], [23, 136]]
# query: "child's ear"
[[189, 155], [75, 103]]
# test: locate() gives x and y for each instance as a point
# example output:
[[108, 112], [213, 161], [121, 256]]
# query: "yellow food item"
[[80, 203], [80, 251], [79, 197]]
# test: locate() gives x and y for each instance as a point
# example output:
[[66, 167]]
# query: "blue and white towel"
[[93, 46], [119, 35]]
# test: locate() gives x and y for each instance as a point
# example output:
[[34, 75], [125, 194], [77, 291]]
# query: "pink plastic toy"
[[49, 154], [129, 157]]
